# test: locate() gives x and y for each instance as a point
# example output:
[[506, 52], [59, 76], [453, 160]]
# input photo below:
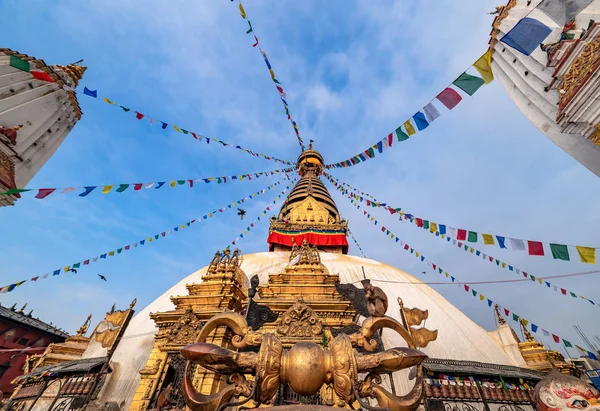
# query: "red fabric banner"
[[535, 248], [449, 98], [461, 234], [325, 240]]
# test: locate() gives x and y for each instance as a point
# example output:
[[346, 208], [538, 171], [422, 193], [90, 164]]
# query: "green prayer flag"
[[19, 63], [119, 250], [515, 317], [573, 295], [371, 152], [466, 247], [122, 187], [560, 252], [426, 224], [401, 134], [15, 191], [188, 223], [411, 250], [219, 181], [125, 109], [532, 277], [468, 83], [474, 293], [440, 270], [76, 265], [185, 131], [472, 237], [156, 236], [181, 182], [567, 344], [497, 262]]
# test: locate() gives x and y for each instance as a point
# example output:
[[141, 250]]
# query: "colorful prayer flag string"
[[519, 319], [356, 242], [278, 86], [449, 98], [535, 248], [440, 230], [138, 115], [43, 193], [147, 240], [263, 212]]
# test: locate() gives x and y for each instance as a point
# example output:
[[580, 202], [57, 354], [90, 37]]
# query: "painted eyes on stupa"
[[579, 404]]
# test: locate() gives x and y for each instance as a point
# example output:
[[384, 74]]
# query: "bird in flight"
[[73, 270], [102, 277], [241, 213]]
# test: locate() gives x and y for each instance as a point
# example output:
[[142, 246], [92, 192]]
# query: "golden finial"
[[83, 329], [133, 303], [528, 335], [400, 303], [74, 71], [501, 320]]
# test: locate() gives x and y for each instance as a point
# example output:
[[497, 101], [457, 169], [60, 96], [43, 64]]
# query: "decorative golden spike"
[[501, 320], [83, 329], [528, 335]]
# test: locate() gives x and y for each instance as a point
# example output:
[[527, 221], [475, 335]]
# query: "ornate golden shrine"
[[304, 346]]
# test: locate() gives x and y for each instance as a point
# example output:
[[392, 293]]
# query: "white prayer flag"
[[431, 112], [517, 245]]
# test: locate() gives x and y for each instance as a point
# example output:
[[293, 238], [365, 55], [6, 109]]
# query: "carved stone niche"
[[185, 330], [299, 321]]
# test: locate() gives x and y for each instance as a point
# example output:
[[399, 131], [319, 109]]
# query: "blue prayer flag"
[[142, 242], [534, 328], [159, 185], [164, 125], [91, 93], [500, 241], [526, 35], [103, 256], [87, 191], [442, 228], [380, 146], [420, 121], [57, 272]]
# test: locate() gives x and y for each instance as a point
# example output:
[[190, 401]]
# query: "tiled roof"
[[479, 368], [67, 367], [7, 313]]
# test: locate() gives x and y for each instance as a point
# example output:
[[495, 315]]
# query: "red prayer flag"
[[163, 233], [191, 183], [139, 115], [127, 247], [449, 98], [419, 222], [41, 75], [194, 134], [35, 278], [461, 234], [255, 44], [390, 139], [391, 210], [137, 187], [535, 248], [86, 262], [460, 244], [44, 192], [525, 274], [506, 312], [406, 246], [562, 290], [434, 266], [466, 287], [491, 259], [556, 339], [382, 229]]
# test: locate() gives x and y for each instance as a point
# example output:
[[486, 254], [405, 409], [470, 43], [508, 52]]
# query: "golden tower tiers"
[[309, 213]]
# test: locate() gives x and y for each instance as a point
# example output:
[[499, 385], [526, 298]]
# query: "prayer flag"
[[560, 252], [87, 191], [242, 11], [562, 11], [431, 112], [401, 135], [526, 35], [106, 100], [500, 241], [420, 121], [122, 187], [449, 98], [42, 75], [44, 192], [472, 237], [176, 128], [555, 338], [409, 128], [91, 93], [484, 67], [461, 234], [517, 244], [19, 63], [442, 229], [433, 227], [106, 189], [587, 254], [139, 115], [468, 83], [535, 248], [488, 239]]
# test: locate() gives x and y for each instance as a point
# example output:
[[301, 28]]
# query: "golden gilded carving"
[[305, 367], [304, 254], [309, 211], [422, 336], [299, 321], [83, 329], [414, 317], [108, 329], [7, 171], [151, 370], [579, 73], [185, 330], [502, 14]]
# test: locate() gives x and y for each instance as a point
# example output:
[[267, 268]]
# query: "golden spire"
[[528, 335], [74, 71], [500, 318], [83, 329]]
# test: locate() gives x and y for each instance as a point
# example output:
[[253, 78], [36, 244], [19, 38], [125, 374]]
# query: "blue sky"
[[353, 71]]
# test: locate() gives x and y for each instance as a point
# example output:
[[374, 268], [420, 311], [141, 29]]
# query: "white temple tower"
[[35, 118], [556, 87]]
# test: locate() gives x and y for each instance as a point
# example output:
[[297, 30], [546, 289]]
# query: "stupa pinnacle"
[[309, 213]]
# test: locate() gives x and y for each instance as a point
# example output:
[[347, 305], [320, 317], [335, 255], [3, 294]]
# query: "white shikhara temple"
[[556, 87], [35, 118]]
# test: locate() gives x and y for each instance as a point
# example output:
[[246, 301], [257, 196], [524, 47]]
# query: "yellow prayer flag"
[[540, 280], [107, 101], [242, 11], [233, 205], [245, 231], [443, 235], [182, 226], [484, 66], [106, 189], [272, 74], [149, 239], [433, 227], [210, 215], [447, 275], [372, 218], [417, 254], [503, 265], [67, 268], [111, 253], [393, 235], [524, 322], [488, 239], [587, 254], [471, 250], [481, 297], [409, 128], [177, 128], [172, 184]]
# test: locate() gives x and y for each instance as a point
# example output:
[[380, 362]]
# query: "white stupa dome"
[[459, 338]]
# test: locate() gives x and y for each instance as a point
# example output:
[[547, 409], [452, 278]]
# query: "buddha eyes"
[[580, 404]]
